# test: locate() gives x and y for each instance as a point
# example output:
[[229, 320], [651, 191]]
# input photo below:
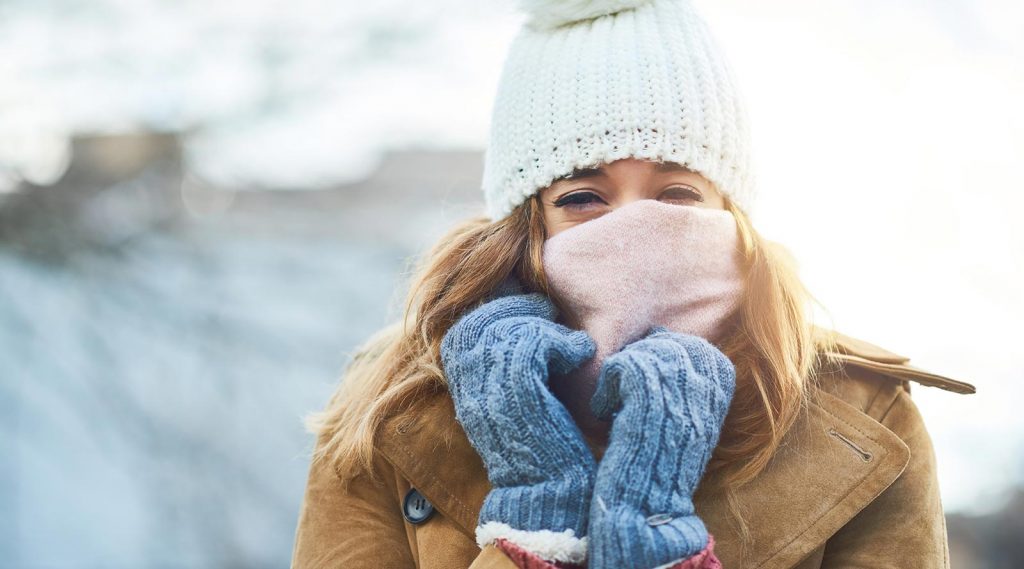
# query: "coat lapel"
[[814, 484]]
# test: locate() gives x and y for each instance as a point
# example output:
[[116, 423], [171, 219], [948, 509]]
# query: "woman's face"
[[590, 193]]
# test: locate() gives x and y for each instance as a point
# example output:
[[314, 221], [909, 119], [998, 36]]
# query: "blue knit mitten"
[[669, 394], [497, 358]]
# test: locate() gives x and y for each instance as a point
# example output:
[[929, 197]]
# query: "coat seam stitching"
[[889, 408], [874, 398]]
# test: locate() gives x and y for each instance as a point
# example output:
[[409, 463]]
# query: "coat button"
[[416, 508]]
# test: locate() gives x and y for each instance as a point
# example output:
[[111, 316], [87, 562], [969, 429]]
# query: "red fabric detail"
[[703, 559], [524, 559]]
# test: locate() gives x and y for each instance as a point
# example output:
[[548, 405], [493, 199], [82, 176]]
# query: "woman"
[[613, 368]]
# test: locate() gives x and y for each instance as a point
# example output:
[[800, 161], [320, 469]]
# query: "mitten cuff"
[[524, 559], [553, 505], [549, 518], [659, 541], [563, 547]]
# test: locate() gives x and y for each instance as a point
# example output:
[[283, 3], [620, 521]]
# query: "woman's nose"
[[628, 199]]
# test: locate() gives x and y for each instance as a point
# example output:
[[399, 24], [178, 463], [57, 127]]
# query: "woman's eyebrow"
[[671, 167], [579, 173]]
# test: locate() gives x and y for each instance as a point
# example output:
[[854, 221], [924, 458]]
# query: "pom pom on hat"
[[548, 14]]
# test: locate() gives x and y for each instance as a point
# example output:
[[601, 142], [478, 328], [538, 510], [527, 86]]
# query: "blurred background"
[[206, 206]]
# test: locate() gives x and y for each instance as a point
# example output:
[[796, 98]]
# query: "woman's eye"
[[577, 200], [683, 193]]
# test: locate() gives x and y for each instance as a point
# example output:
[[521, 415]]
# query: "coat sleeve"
[[358, 527], [905, 525]]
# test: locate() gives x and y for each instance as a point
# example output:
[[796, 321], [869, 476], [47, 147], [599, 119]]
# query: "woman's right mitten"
[[667, 395], [497, 359]]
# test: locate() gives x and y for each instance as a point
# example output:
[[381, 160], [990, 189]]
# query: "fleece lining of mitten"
[[554, 546]]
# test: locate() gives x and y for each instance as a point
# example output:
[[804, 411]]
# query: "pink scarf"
[[643, 264]]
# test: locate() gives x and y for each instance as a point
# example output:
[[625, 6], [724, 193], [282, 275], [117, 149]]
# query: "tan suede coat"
[[853, 485]]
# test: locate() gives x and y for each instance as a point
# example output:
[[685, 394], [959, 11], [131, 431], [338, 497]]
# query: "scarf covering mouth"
[[644, 264]]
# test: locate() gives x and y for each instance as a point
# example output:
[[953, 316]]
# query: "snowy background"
[[205, 206]]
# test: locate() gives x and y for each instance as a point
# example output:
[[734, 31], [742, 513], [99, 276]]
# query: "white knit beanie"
[[588, 82]]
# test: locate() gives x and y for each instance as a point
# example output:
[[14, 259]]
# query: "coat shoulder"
[[862, 373]]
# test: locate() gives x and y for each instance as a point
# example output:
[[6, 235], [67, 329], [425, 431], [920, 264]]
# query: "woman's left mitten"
[[497, 359], [667, 395]]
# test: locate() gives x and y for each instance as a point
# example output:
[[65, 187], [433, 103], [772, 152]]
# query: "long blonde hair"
[[771, 343]]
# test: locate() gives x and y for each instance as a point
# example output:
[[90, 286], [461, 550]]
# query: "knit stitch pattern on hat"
[[647, 82], [547, 14]]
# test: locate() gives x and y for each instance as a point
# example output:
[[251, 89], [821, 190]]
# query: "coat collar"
[[792, 507]]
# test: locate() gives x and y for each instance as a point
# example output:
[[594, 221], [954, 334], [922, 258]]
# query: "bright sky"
[[888, 139]]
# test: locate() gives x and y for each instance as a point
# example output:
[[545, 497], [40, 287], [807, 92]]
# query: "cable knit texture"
[[641, 79], [668, 394], [643, 264], [497, 358]]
